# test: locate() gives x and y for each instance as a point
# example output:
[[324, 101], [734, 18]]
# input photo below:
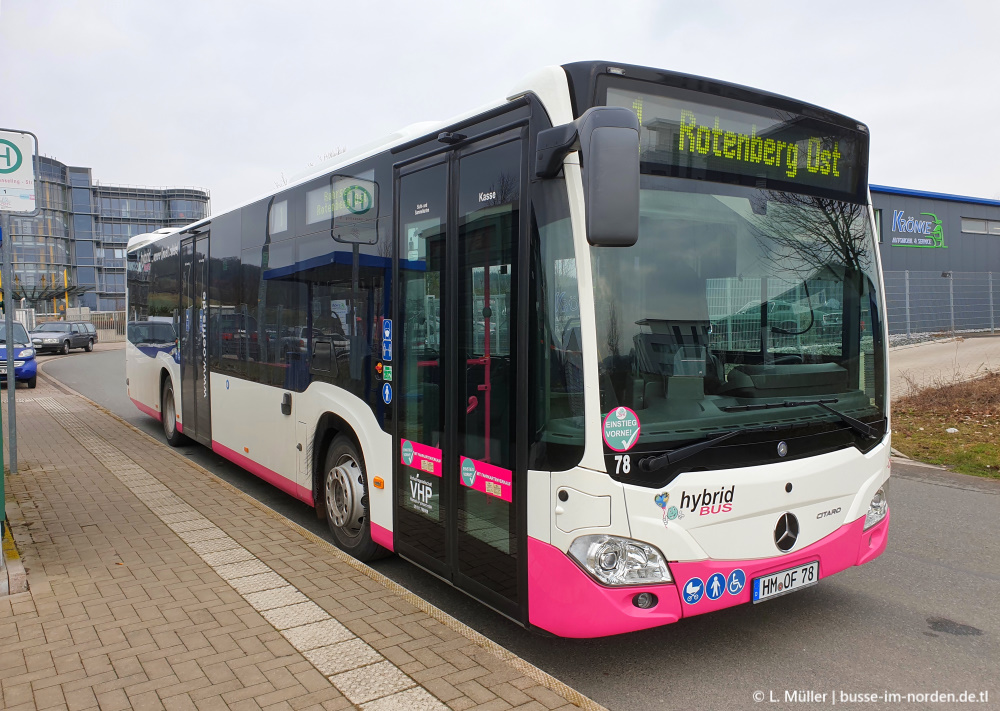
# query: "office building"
[[73, 250]]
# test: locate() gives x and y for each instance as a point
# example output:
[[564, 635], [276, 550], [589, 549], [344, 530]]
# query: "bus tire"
[[168, 415], [345, 496]]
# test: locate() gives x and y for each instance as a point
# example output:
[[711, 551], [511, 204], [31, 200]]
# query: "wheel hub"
[[344, 491]]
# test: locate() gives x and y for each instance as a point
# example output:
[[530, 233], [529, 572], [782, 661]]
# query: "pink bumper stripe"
[[847, 546], [180, 426], [271, 477], [149, 411], [566, 601], [382, 536]]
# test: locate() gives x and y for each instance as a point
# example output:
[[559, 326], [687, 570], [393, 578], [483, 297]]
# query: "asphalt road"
[[923, 618], [942, 362]]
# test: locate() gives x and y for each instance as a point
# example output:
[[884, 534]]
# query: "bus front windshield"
[[736, 297]]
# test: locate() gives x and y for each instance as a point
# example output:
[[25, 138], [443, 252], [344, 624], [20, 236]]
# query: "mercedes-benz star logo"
[[786, 532], [782, 449]]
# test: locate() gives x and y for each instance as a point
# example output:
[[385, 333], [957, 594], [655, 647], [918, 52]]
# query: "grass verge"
[[921, 420]]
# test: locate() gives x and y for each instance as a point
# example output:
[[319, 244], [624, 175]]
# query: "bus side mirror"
[[608, 140]]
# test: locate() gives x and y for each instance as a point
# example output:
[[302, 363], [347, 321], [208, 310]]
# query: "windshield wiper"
[[650, 464], [857, 425]]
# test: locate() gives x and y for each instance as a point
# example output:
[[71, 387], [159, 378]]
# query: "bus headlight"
[[613, 560], [877, 509]]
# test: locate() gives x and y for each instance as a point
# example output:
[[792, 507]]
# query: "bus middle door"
[[195, 386], [456, 488]]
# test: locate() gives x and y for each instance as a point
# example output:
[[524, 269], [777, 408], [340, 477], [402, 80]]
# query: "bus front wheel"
[[345, 495]]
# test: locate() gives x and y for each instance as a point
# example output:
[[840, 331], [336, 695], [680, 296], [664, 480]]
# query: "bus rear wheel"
[[168, 414], [345, 495]]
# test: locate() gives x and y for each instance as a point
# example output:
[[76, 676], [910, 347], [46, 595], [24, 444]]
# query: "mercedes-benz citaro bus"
[[605, 354]]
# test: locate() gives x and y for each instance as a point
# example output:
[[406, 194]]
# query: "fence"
[[26, 317], [110, 324], [924, 303]]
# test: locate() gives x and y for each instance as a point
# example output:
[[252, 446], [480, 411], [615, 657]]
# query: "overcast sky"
[[229, 95]]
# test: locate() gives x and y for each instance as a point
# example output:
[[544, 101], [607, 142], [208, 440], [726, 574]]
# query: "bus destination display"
[[694, 139]]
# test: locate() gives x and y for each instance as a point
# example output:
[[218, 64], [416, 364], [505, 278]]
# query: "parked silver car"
[[61, 336]]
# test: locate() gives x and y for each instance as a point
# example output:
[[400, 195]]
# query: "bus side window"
[[556, 373]]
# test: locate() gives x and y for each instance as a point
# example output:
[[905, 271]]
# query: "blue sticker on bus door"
[[387, 393], [387, 329], [386, 349]]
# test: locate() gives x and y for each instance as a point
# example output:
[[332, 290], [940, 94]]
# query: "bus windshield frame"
[[736, 297]]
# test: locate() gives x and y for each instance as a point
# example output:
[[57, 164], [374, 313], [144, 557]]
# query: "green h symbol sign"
[[10, 157]]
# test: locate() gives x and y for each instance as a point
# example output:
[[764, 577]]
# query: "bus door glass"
[[419, 366], [455, 371], [195, 407], [488, 216]]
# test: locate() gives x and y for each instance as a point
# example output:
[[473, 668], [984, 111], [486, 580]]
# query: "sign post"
[[18, 150]]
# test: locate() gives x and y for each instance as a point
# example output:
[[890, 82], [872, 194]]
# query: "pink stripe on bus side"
[[271, 477], [382, 536], [148, 410]]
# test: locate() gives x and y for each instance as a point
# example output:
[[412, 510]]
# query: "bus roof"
[[545, 82], [559, 87]]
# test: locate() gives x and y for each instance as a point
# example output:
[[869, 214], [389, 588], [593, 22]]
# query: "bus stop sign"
[[17, 172]]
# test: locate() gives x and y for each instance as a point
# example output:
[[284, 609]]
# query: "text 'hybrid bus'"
[[604, 355]]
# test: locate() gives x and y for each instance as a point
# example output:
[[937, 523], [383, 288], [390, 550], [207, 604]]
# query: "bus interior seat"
[[675, 349]]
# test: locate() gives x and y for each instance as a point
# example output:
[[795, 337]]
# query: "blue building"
[[941, 259], [74, 248]]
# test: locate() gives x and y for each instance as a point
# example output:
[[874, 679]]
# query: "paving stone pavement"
[[155, 585]]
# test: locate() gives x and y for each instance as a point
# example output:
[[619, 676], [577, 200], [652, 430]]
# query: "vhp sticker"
[[621, 429]]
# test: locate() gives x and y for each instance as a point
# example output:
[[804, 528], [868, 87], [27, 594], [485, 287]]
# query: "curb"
[[15, 580], [521, 665]]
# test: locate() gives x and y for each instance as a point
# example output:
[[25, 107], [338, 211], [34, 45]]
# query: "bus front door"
[[458, 494], [195, 403]]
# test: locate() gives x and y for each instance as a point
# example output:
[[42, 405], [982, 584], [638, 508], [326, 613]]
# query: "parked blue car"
[[25, 368]]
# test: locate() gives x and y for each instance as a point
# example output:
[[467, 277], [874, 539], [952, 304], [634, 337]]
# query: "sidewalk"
[[945, 361], [154, 585]]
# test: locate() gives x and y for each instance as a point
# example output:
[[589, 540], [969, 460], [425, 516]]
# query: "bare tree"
[[814, 233], [281, 181], [614, 332], [327, 156]]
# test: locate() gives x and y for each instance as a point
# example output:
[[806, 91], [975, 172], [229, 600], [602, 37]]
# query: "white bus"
[[608, 353]]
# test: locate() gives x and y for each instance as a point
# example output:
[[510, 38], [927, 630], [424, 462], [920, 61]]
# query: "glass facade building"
[[74, 248]]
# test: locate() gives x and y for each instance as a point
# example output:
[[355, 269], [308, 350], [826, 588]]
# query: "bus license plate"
[[785, 581]]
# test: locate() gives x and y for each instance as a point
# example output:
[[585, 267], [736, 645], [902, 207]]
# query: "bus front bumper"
[[566, 601]]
